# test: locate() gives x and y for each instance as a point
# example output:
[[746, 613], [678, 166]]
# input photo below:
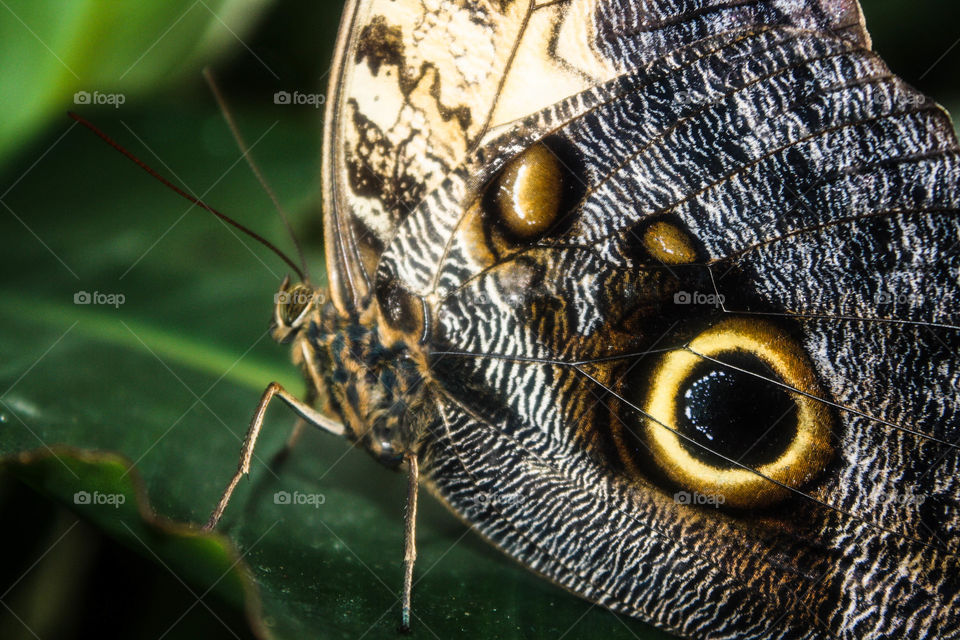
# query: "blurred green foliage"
[[53, 50]]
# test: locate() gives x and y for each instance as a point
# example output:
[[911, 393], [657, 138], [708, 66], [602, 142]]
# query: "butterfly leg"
[[409, 538], [298, 428], [305, 411]]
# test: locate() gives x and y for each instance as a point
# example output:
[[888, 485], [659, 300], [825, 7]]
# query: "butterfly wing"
[[414, 88], [805, 182]]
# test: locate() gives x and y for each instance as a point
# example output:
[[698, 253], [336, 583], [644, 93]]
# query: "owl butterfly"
[[660, 296]]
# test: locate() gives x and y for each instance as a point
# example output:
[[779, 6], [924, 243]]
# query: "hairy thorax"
[[372, 378]]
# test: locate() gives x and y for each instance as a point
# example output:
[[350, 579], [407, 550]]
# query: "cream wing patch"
[[423, 81], [556, 58], [416, 78]]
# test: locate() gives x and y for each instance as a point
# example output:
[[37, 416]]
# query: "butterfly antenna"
[[140, 163], [248, 156]]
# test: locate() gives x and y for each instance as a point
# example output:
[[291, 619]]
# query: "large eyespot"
[[535, 191], [734, 410]]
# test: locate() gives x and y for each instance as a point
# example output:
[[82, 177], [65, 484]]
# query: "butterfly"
[[659, 296]]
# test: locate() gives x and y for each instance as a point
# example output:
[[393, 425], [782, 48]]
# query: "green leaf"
[[168, 379], [53, 49], [114, 498]]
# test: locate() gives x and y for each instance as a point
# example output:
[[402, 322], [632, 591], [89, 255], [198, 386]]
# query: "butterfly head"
[[292, 309], [370, 375]]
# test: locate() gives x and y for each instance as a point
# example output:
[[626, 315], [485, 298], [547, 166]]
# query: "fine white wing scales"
[[418, 84], [509, 365]]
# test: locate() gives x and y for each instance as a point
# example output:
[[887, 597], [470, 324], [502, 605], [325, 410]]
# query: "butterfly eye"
[[535, 191], [735, 415], [293, 303]]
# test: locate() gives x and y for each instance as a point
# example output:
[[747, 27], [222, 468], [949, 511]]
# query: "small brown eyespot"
[[535, 192], [401, 309], [669, 244]]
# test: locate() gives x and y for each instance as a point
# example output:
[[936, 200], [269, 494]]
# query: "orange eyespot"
[[529, 192], [669, 244]]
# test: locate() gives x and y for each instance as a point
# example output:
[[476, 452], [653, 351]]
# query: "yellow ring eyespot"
[[793, 462]]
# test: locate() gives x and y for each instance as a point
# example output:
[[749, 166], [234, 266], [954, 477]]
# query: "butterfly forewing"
[[419, 84]]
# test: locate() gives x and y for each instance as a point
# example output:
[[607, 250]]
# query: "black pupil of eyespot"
[[746, 418]]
